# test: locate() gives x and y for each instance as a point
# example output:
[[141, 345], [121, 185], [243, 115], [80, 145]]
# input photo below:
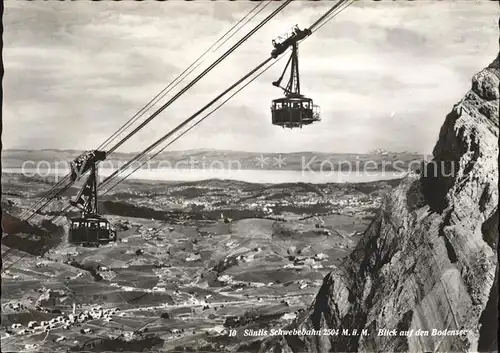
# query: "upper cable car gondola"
[[293, 110]]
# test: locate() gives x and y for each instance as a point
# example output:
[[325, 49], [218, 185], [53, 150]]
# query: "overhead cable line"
[[32, 211], [345, 4], [59, 192], [191, 127], [326, 14], [170, 133], [195, 64], [200, 76], [185, 122], [54, 188], [318, 23]]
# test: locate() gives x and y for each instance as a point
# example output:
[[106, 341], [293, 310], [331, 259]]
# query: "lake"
[[250, 176]]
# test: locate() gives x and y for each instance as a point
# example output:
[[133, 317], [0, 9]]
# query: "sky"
[[385, 74]]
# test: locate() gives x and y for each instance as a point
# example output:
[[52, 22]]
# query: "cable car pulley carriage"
[[293, 110], [91, 229]]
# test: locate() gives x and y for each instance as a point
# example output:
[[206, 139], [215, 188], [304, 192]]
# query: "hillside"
[[429, 259], [193, 260]]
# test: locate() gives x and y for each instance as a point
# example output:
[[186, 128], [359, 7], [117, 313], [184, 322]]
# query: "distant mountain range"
[[217, 159]]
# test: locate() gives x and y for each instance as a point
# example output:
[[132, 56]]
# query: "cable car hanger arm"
[[278, 81]]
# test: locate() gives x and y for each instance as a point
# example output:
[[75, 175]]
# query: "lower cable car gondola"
[[293, 110], [91, 229]]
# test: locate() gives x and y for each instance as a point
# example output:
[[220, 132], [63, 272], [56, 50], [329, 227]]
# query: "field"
[[193, 260]]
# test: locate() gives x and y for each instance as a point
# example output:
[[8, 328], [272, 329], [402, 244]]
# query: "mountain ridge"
[[211, 150], [428, 261], [221, 159]]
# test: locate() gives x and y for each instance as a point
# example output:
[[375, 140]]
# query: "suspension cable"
[[192, 126], [108, 179], [195, 64], [140, 155], [326, 14], [200, 76], [169, 134], [220, 59], [28, 211], [346, 4], [192, 117], [341, 4], [32, 211], [317, 23]]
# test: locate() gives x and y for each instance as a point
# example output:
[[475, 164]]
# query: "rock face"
[[429, 259]]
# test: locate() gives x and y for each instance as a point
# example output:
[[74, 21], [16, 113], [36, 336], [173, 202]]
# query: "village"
[[264, 201], [202, 257]]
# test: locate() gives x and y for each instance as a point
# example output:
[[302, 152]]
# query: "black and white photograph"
[[268, 176]]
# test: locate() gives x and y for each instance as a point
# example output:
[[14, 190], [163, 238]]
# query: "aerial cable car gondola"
[[293, 110], [91, 229]]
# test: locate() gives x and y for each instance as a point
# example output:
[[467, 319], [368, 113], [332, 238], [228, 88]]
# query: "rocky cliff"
[[429, 259]]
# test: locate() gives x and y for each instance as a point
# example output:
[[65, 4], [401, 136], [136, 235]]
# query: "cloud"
[[76, 71]]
